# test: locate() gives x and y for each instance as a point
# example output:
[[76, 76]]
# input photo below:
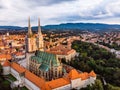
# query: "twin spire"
[[30, 34]]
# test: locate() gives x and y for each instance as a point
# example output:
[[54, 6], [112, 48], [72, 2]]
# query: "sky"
[[16, 12]]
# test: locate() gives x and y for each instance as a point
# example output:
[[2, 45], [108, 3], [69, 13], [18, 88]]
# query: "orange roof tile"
[[19, 53], [61, 50], [47, 87], [30, 76], [92, 73], [6, 63], [73, 74], [7, 56], [35, 79], [57, 83], [17, 67], [84, 76]]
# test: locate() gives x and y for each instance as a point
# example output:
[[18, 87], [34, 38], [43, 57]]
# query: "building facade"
[[46, 65], [72, 80], [33, 42]]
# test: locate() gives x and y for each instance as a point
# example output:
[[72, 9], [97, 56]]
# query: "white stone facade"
[[75, 83], [30, 85], [68, 57], [6, 70], [66, 87]]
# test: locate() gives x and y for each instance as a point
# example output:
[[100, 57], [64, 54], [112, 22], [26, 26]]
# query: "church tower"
[[40, 41], [30, 44], [30, 40], [33, 43]]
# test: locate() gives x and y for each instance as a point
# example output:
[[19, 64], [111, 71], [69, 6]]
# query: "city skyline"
[[14, 12]]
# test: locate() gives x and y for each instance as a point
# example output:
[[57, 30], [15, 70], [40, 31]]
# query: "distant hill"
[[84, 26], [69, 26], [10, 28]]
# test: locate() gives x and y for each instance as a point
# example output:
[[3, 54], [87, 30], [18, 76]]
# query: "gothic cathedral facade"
[[33, 42]]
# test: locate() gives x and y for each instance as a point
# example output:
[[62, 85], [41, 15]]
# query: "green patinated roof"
[[46, 60], [44, 67], [37, 58]]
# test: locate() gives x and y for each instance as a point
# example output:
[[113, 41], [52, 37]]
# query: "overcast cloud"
[[16, 12]]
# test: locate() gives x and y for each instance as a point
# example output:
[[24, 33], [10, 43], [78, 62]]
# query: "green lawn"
[[24, 88], [11, 77], [5, 85], [21, 88], [6, 82]]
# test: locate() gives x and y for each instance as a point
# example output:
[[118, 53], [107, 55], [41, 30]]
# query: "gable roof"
[[73, 74], [6, 63], [17, 67], [35, 79], [92, 74], [30, 76], [46, 60], [6, 56], [84, 76], [57, 83]]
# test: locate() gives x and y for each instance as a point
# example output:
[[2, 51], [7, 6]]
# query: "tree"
[[98, 85], [1, 70], [111, 87], [92, 57]]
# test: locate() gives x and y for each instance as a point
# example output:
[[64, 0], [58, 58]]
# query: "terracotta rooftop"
[[84, 76], [57, 83], [61, 52], [6, 63], [17, 67], [30, 76], [92, 74], [35, 79], [7, 56], [19, 53], [73, 74]]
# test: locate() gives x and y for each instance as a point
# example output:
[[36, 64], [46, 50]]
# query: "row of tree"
[[113, 45], [91, 57]]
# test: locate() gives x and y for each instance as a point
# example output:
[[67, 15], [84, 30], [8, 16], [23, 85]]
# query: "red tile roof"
[[6, 56], [73, 74], [84, 76], [61, 50], [17, 67], [35, 79], [6, 63], [30, 76], [57, 83], [92, 74]]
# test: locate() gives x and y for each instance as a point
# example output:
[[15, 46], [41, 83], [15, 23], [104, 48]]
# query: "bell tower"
[[30, 39], [40, 41]]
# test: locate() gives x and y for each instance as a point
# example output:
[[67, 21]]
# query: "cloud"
[[47, 2], [16, 12]]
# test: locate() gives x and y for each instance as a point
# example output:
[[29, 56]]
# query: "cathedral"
[[41, 63], [44, 71], [33, 42]]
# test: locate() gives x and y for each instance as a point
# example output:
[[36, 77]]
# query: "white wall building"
[[71, 80]]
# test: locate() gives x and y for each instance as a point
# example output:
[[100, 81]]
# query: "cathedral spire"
[[29, 28], [39, 28]]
